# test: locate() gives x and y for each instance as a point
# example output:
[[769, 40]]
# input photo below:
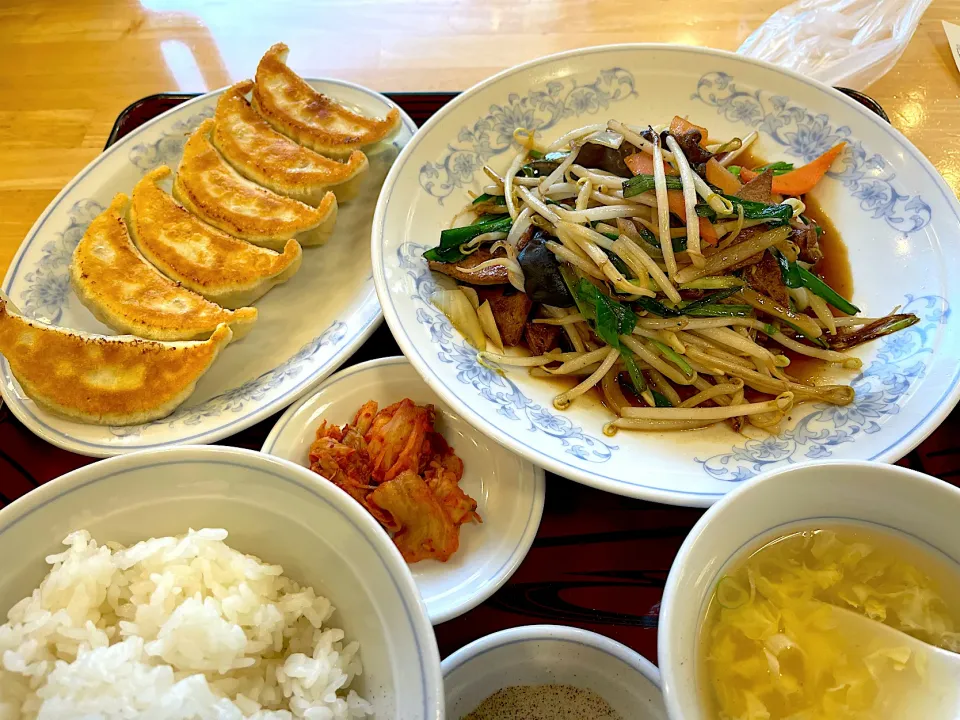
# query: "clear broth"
[[943, 576]]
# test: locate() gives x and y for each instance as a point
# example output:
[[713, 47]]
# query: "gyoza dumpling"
[[294, 108], [209, 187], [260, 153], [116, 283], [224, 269], [118, 380]]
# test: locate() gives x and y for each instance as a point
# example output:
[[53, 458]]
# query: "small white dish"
[[886, 496], [271, 508], [296, 342], [549, 655], [508, 489]]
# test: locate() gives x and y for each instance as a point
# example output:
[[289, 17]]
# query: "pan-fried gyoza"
[[585, 253]]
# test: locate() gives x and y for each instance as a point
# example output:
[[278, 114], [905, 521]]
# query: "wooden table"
[[68, 67]]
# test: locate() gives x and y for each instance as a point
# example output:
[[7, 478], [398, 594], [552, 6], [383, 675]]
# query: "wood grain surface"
[[68, 67]]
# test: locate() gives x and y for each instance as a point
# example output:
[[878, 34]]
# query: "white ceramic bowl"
[[552, 654], [899, 221], [272, 509], [509, 490], [776, 503]]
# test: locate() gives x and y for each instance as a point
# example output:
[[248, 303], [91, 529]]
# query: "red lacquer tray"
[[599, 561]]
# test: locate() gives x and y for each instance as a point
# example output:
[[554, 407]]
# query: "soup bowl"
[[547, 655], [918, 507]]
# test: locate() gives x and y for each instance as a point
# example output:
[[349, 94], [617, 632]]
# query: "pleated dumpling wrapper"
[[260, 153], [319, 122], [208, 186], [124, 291], [103, 380], [224, 269]]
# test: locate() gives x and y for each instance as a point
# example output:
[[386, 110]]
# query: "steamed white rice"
[[173, 629]]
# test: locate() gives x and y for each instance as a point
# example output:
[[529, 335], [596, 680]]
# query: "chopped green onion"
[[644, 183], [636, 377], [795, 275], [615, 259], [720, 310], [571, 280], [779, 168], [774, 214], [450, 240], [819, 342], [788, 270], [487, 197], [661, 400], [710, 299], [670, 354], [713, 283], [734, 170], [818, 287], [656, 307]]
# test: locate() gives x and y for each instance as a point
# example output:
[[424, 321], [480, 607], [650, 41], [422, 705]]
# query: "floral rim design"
[[169, 147], [48, 291], [899, 365], [869, 177], [492, 385], [48, 284], [235, 400], [538, 110]]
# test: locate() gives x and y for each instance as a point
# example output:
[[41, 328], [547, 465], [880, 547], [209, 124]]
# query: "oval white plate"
[[900, 221], [509, 490], [552, 654], [307, 326]]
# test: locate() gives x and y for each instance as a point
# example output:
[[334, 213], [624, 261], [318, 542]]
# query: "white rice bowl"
[[173, 629]]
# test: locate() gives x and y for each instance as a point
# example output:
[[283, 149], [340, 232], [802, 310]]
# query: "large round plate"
[[509, 490], [900, 221], [307, 327]]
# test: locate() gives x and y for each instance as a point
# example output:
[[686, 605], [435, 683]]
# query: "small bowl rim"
[[671, 694], [538, 633], [521, 550], [90, 474]]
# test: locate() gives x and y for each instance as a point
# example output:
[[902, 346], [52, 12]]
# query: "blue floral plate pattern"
[[898, 218], [306, 328]]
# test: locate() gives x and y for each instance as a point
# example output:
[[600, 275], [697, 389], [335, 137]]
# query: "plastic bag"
[[851, 43]]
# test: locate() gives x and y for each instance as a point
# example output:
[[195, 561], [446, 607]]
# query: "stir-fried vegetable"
[[638, 269], [803, 179], [795, 276], [451, 240]]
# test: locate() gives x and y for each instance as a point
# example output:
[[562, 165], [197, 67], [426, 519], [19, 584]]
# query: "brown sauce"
[[834, 268]]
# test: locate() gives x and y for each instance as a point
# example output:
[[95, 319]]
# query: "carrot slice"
[[641, 163], [802, 180], [746, 175], [718, 175], [707, 232], [675, 202], [676, 205], [681, 126]]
